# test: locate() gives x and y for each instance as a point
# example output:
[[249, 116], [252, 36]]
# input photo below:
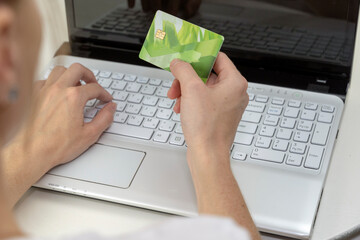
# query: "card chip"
[[160, 34]]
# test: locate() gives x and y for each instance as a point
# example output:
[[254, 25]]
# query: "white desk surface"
[[46, 213]]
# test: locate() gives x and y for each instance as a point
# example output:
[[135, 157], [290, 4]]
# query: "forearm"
[[20, 170], [216, 188]]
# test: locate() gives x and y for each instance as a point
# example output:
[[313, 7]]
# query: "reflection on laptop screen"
[[317, 33]]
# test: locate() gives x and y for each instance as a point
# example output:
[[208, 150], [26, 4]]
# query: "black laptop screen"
[[311, 35]]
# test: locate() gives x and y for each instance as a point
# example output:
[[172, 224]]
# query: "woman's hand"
[[56, 132], [210, 113]]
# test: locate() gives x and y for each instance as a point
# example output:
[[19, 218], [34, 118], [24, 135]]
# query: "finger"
[[177, 105], [174, 91], [55, 75], [212, 80], [38, 85], [145, 5], [101, 121], [185, 73], [75, 73], [131, 3], [91, 91], [173, 7], [224, 66]]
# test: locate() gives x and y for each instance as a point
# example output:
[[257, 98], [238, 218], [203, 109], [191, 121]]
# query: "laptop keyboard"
[[286, 132], [245, 36]]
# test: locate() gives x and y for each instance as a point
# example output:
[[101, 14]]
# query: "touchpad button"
[[103, 165]]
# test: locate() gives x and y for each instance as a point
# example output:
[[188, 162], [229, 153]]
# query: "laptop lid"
[[305, 44]]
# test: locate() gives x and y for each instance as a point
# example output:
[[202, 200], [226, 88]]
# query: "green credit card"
[[170, 37]]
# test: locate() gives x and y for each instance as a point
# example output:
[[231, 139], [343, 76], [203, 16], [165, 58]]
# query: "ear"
[[8, 81]]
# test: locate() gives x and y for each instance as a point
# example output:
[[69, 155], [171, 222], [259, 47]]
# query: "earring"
[[13, 94]]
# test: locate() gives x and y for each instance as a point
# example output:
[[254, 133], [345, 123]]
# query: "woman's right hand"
[[210, 113]]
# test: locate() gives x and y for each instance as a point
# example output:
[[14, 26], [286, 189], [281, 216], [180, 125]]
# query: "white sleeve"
[[204, 227]]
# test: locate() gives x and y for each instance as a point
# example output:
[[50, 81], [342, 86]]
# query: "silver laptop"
[[297, 57]]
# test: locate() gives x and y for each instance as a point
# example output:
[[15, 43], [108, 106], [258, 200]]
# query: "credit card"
[[170, 37]]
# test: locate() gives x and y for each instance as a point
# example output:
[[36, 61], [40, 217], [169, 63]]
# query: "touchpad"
[[104, 165]]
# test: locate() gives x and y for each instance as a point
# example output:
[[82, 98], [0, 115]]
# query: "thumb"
[[185, 73], [102, 120]]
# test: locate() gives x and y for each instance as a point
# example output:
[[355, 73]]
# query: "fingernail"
[[113, 106], [174, 62]]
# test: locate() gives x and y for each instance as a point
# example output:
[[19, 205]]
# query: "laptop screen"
[[297, 35]]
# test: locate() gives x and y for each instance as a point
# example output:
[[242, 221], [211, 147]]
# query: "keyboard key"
[[148, 90], [118, 85], [246, 127], [87, 120], [267, 131], [251, 96], [305, 126], [294, 103], [166, 103], [130, 131], [243, 138], [167, 126], [263, 142], [262, 98], [280, 145], [288, 123], [328, 108], [151, 123], [117, 76], [167, 83], [110, 91], [298, 148], [90, 112], [325, 117], [321, 133], [148, 111], [95, 72], [105, 82], [122, 96], [278, 101], [300, 136], [239, 155], [135, 98], [308, 115], [177, 139], [314, 157], [284, 134], [176, 117], [133, 108], [311, 106], [150, 100], [105, 74], [268, 155], [294, 159], [291, 112], [271, 120], [255, 107], [161, 136], [90, 103], [130, 78], [162, 92], [135, 120], [251, 117], [143, 80], [164, 114], [275, 110], [120, 106], [120, 117], [133, 87], [178, 128], [154, 81]]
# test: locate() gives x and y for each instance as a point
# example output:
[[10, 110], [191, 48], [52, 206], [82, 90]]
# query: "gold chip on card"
[[160, 34]]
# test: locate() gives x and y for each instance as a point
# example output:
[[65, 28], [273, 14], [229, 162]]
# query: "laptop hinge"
[[320, 85]]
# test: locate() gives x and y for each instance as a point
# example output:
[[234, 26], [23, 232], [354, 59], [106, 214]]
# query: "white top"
[[204, 227]]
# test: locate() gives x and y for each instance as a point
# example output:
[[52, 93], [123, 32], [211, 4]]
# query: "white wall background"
[[54, 29]]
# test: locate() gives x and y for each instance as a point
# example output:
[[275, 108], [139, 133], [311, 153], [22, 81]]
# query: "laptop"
[[296, 55]]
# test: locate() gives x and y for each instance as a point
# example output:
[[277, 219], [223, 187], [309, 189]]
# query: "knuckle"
[[73, 94]]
